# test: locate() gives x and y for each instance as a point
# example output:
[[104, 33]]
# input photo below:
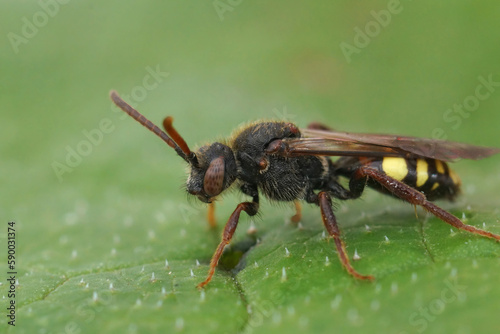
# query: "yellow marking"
[[440, 167], [395, 168], [434, 186], [454, 177], [422, 172]]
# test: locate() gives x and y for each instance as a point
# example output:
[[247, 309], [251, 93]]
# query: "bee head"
[[212, 172], [213, 167]]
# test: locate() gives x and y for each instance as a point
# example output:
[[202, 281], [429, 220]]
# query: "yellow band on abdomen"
[[422, 172], [395, 167]]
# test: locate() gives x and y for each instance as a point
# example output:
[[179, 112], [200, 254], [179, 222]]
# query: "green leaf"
[[427, 278]]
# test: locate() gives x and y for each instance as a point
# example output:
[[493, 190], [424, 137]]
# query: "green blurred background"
[[113, 214]]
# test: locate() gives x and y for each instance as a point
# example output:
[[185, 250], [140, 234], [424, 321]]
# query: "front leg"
[[251, 208], [211, 215]]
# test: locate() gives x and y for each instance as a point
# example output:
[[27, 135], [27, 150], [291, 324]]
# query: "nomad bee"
[[287, 164]]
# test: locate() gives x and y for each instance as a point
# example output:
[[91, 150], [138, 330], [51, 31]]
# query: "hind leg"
[[412, 196]]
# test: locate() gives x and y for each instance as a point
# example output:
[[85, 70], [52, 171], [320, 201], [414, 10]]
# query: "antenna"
[[182, 149]]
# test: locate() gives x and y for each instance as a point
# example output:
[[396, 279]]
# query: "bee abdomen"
[[432, 177]]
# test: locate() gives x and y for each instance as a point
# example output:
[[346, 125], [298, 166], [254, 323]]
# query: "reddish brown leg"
[[211, 215], [298, 213], [251, 209], [325, 204], [415, 197]]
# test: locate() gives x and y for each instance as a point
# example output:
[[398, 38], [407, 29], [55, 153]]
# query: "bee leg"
[[251, 209], [211, 215], [338, 191], [330, 222], [298, 213], [415, 197]]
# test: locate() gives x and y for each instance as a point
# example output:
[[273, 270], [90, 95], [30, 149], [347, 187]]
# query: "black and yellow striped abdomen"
[[432, 177]]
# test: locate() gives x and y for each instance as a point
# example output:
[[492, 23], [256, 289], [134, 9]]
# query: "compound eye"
[[214, 177]]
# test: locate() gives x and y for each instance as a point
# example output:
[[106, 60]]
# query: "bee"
[[285, 163]]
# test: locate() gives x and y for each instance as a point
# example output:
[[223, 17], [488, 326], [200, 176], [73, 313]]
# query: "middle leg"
[[330, 222]]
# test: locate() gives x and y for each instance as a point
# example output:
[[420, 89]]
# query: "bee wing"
[[334, 143]]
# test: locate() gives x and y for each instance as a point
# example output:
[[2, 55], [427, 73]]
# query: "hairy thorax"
[[278, 178]]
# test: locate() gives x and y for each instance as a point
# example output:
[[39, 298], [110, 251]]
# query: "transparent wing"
[[334, 143]]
